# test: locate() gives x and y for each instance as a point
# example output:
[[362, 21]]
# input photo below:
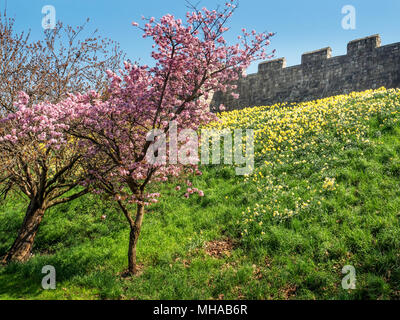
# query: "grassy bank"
[[325, 194]]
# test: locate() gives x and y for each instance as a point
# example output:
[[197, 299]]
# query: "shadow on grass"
[[24, 280], [13, 286]]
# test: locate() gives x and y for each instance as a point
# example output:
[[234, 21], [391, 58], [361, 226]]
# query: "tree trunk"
[[22, 247], [133, 239]]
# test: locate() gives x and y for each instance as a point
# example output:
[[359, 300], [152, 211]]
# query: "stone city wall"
[[367, 65]]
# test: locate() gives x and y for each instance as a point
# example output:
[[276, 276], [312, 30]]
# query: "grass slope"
[[327, 199]]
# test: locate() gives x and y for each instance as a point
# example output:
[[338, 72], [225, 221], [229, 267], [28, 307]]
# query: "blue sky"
[[300, 26]]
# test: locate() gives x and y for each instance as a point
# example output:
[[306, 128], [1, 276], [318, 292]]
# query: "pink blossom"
[[190, 60]]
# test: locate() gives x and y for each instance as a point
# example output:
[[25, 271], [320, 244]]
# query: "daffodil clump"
[[329, 184], [299, 147]]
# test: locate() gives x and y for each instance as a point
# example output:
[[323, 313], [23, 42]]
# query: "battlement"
[[317, 55], [367, 65], [364, 45], [272, 65]]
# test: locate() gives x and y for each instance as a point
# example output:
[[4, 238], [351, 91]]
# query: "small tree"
[[66, 60], [192, 59], [39, 160]]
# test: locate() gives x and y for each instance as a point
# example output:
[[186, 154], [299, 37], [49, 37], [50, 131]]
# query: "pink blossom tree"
[[39, 161], [192, 60]]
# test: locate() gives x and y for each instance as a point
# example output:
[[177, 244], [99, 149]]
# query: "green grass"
[[298, 258]]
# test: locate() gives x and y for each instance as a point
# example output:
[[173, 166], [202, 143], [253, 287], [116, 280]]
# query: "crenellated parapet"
[[363, 46], [272, 65], [367, 65], [317, 55]]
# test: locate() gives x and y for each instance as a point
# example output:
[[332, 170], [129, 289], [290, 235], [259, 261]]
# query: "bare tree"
[[66, 60]]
